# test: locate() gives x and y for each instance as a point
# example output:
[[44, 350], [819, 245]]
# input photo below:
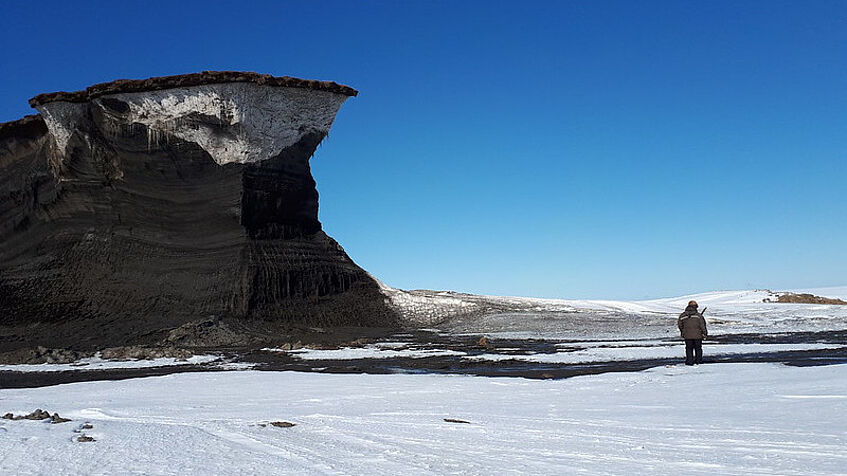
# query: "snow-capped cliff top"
[[185, 80]]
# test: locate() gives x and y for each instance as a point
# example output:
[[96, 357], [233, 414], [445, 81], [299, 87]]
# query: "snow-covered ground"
[[719, 303], [652, 351], [567, 353], [729, 312], [98, 363], [712, 419]]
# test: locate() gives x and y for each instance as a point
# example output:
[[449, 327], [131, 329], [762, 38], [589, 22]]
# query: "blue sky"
[[561, 149]]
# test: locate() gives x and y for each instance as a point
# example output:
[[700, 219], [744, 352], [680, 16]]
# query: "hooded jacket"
[[692, 324]]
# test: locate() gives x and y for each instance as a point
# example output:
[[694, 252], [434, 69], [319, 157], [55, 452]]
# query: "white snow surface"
[[729, 419], [657, 351], [746, 311], [97, 363], [718, 302]]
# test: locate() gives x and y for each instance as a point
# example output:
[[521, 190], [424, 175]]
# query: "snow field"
[[711, 419]]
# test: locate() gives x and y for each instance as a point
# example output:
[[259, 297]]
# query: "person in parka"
[[692, 328]]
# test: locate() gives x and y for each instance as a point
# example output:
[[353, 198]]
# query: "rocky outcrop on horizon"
[[137, 206]]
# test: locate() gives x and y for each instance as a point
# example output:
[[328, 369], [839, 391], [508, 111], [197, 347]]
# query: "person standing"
[[692, 328]]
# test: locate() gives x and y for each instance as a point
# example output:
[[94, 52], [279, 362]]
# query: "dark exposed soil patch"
[[283, 424], [197, 337], [809, 299], [456, 364], [186, 80]]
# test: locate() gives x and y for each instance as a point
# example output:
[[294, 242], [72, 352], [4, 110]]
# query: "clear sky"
[[585, 149]]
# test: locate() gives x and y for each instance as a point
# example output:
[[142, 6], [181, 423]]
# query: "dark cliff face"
[[120, 213]]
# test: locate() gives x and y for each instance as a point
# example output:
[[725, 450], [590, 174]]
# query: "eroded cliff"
[[143, 205]]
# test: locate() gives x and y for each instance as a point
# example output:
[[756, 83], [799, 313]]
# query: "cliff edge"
[[137, 206]]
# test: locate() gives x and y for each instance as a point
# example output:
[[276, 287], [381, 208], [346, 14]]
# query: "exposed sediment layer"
[[186, 80], [147, 204]]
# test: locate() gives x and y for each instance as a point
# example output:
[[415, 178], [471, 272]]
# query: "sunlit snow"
[[713, 419]]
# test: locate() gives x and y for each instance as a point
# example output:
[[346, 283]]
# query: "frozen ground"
[[572, 353], [729, 312], [712, 419], [719, 418], [652, 351], [577, 332], [97, 363]]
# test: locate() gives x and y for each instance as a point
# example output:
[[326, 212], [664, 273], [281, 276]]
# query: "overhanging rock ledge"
[[139, 205]]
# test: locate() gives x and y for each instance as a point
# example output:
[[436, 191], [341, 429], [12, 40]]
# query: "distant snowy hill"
[[732, 311]]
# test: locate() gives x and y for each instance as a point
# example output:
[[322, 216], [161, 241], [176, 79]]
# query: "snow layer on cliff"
[[260, 120], [712, 419], [233, 122]]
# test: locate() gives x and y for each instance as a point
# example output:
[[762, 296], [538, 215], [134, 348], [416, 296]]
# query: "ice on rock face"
[[62, 119], [233, 122]]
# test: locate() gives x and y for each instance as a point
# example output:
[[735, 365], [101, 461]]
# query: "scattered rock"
[[283, 424], [547, 375], [360, 342], [323, 346], [57, 419], [211, 332], [39, 415], [42, 355], [291, 346], [144, 353], [84, 426], [485, 343], [84, 439], [455, 420]]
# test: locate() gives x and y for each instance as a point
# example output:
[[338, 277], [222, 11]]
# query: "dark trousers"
[[693, 351]]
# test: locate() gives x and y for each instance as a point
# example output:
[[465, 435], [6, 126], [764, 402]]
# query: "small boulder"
[[38, 414], [484, 343], [283, 424], [456, 420], [55, 418]]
